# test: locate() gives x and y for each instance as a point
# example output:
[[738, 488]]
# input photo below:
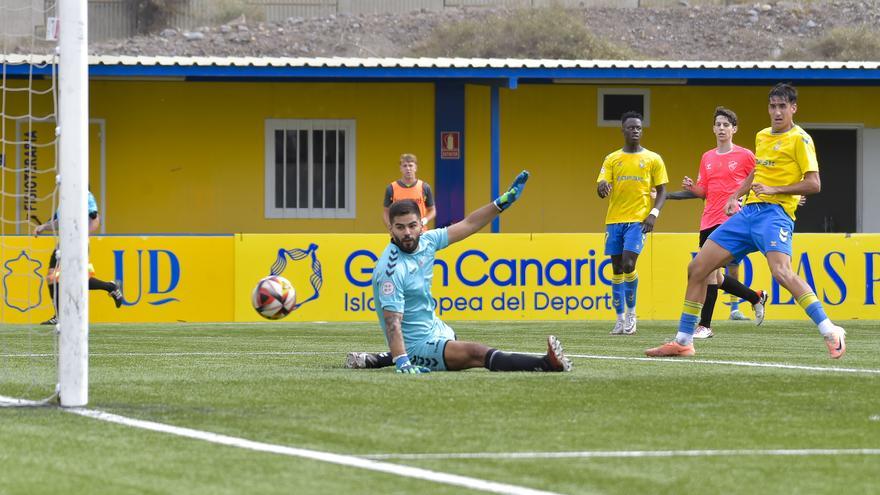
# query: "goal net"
[[43, 101]]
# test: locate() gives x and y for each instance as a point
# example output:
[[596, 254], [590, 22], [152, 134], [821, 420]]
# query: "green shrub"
[[840, 44], [548, 32]]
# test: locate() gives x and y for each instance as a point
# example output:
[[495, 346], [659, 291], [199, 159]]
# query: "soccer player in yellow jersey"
[[786, 168], [628, 175]]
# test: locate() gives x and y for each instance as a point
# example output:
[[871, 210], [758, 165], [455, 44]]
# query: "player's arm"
[[50, 226], [482, 216], [94, 222], [810, 184], [648, 222], [603, 182], [695, 188], [386, 202], [430, 206], [430, 214], [386, 219], [682, 195], [394, 333], [744, 188]]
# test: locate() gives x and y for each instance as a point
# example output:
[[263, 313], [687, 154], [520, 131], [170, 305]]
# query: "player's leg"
[[711, 257], [52, 279], [630, 290], [614, 248], [460, 355], [732, 272], [738, 290], [633, 242], [780, 267], [364, 360], [704, 327], [109, 287], [774, 232]]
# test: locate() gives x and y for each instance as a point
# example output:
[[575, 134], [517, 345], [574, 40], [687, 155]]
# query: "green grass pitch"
[[284, 384]]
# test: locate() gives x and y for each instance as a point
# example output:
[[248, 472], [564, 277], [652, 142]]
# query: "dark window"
[[615, 105]]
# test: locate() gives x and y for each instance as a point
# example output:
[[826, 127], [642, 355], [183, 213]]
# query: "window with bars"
[[310, 168]]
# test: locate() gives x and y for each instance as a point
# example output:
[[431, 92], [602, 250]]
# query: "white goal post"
[[73, 126]]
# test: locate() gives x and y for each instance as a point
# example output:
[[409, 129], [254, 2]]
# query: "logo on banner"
[[163, 276], [450, 145], [22, 283], [316, 279]]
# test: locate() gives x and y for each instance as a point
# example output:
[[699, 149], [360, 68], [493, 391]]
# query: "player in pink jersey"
[[722, 171]]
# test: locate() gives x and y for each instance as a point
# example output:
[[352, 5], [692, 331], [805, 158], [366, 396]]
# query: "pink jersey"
[[721, 174]]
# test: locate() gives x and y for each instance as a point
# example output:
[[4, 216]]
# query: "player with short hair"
[[418, 340], [410, 187], [628, 175], [722, 171], [54, 273], [786, 167]]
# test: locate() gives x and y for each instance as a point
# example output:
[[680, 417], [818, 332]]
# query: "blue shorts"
[[429, 352], [757, 227], [620, 237]]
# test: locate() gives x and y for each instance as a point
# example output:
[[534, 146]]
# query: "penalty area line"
[[617, 454], [728, 363], [340, 459]]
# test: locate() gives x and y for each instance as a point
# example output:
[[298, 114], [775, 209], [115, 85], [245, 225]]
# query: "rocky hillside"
[[761, 31]]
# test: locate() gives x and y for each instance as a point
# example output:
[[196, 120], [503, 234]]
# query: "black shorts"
[[705, 233], [53, 260]]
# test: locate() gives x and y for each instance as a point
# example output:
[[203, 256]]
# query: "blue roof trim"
[[522, 74]]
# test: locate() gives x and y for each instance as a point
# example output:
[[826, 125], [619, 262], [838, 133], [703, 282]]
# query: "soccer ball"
[[274, 297]]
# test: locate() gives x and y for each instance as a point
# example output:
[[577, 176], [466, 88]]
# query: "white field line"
[[182, 354], [13, 402], [343, 460], [729, 363], [827, 369], [617, 454]]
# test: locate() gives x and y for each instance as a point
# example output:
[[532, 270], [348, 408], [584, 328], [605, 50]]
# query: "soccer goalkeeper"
[[418, 340]]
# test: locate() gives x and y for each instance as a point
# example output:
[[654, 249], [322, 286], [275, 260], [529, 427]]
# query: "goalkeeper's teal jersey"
[[402, 284]]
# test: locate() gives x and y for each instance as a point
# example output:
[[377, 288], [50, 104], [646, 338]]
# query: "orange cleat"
[[671, 349], [836, 342], [556, 355]]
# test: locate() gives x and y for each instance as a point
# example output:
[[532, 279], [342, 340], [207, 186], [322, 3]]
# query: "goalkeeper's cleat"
[[618, 328], [737, 315], [629, 324], [556, 356], [671, 349], [51, 321], [703, 332], [759, 307], [356, 360], [836, 342], [116, 294]]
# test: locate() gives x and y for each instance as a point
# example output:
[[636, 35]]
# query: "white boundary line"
[[729, 363], [344, 460], [749, 364], [617, 454]]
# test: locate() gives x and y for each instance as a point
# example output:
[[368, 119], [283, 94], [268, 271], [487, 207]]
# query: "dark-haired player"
[[786, 168], [722, 171], [418, 340], [628, 175]]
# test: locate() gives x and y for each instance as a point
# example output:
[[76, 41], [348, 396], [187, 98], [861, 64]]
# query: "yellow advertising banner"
[[163, 278], [486, 277], [547, 276]]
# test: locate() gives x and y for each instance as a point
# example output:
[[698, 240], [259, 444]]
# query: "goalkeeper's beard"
[[411, 241]]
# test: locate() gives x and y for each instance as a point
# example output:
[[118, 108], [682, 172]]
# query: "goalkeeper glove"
[[505, 200], [404, 366]]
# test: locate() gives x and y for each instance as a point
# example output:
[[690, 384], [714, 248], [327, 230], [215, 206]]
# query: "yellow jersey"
[[782, 160], [632, 176]]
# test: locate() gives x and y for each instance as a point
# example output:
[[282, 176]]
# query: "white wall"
[[871, 180]]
